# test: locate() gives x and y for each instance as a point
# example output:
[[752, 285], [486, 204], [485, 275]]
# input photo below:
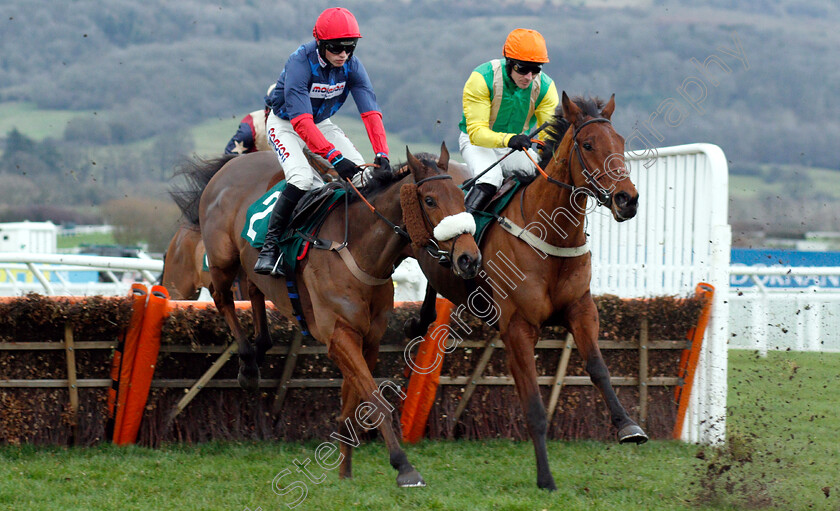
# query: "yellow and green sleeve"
[[477, 114]]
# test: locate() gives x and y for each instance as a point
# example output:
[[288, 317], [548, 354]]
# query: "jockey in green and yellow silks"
[[504, 100]]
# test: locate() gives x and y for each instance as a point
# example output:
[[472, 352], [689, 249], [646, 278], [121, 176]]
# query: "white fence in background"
[[679, 237], [56, 274], [798, 319]]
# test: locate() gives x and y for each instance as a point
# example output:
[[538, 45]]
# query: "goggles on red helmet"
[[336, 46]]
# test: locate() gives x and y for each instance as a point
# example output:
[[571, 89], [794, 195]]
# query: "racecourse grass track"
[[782, 453]]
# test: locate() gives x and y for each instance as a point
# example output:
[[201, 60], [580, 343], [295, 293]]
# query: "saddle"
[[496, 205], [312, 202]]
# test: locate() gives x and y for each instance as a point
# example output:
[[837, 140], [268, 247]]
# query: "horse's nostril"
[[622, 199]]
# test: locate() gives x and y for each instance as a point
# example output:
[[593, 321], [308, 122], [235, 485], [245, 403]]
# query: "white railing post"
[[813, 317]]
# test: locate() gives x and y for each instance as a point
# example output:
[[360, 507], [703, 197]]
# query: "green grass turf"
[[96, 238]]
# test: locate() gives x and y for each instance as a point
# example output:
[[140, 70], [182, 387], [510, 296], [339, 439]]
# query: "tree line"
[[151, 70]]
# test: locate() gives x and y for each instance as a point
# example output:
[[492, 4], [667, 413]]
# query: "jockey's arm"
[[359, 83], [546, 108], [477, 103]]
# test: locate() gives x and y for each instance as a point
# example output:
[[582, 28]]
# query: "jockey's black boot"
[[478, 197], [267, 262]]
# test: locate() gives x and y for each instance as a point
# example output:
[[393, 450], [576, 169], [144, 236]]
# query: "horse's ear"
[[443, 161], [413, 163], [609, 108], [571, 112]]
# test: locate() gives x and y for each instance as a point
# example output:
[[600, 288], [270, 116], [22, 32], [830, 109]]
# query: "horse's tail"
[[197, 172]]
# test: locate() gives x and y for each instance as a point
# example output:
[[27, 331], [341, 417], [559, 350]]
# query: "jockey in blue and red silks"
[[313, 85]]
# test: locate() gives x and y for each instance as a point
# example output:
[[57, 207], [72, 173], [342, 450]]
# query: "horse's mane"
[[377, 186], [558, 125], [197, 173]]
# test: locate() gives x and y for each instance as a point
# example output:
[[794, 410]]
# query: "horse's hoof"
[[410, 479], [412, 329], [632, 434], [251, 383], [261, 355], [547, 485]]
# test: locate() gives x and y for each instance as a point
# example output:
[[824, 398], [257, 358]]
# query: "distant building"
[[31, 237]]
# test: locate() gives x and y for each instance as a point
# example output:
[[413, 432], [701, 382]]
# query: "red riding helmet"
[[336, 23]]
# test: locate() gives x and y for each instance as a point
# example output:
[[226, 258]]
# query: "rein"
[[394, 227]]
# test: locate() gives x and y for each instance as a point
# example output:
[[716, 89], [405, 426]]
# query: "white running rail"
[[23, 272], [768, 318]]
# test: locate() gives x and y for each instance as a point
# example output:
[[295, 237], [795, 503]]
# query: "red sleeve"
[[376, 131], [315, 140]]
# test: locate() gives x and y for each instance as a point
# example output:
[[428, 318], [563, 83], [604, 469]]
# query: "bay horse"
[[526, 286], [182, 264], [339, 310]]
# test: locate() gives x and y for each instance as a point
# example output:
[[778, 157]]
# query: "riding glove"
[[345, 168], [384, 165], [519, 142]]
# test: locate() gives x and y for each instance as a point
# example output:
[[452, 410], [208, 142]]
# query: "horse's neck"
[[373, 243], [549, 208]]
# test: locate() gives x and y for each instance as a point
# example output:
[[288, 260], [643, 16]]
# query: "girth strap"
[[347, 257], [539, 244]]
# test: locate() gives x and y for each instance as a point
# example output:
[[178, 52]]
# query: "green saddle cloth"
[[485, 218], [259, 213]]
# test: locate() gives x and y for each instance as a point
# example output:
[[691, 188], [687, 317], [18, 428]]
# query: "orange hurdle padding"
[[139, 293], [422, 387], [691, 356], [185, 304], [132, 337], [144, 362]]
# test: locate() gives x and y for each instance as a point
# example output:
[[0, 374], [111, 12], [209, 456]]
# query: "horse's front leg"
[[582, 318], [262, 337], [345, 349], [417, 327], [350, 400], [520, 338], [249, 372]]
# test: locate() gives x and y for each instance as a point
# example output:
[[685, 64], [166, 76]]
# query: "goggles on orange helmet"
[[524, 68]]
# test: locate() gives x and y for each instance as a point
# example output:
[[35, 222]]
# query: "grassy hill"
[[209, 137]]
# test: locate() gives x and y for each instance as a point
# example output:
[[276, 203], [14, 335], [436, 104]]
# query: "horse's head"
[[434, 214], [594, 153]]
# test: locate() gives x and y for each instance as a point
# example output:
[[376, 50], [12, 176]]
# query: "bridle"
[[431, 246], [600, 194]]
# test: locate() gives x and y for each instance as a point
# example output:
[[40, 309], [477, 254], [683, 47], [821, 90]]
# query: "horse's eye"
[[587, 146], [430, 202]]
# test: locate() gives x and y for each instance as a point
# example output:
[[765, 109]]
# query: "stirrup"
[[265, 265], [277, 269]]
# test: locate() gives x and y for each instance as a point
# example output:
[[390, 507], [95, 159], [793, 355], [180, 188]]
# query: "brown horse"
[[339, 309], [542, 276], [183, 275], [182, 263]]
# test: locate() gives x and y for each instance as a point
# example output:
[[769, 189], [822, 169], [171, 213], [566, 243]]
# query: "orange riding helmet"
[[525, 45], [336, 23]]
